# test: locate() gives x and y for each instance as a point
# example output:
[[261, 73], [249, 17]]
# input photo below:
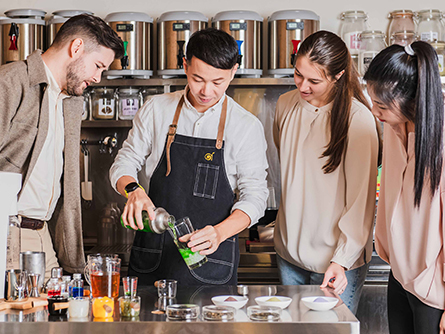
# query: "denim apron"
[[190, 180]]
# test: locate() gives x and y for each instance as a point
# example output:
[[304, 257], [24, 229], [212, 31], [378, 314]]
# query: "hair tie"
[[409, 50]]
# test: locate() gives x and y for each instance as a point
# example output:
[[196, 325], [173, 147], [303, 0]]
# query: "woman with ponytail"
[[405, 89], [328, 145]]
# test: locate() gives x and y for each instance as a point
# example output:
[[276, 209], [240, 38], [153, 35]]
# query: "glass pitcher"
[[102, 272]]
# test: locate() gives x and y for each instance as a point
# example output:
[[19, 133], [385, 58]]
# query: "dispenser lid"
[[183, 16], [9, 20], [128, 16], [71, 12], [26, 13], [246, 15], [294, 15]]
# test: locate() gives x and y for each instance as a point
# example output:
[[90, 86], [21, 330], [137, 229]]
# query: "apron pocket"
[[206, 181], [220, 265], [146, 252]]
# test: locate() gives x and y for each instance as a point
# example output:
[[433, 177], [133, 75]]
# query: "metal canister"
[[136, 31], [34, 262], [287, 29], [246, 27], [56, 21], [174, 31], [22, 33]]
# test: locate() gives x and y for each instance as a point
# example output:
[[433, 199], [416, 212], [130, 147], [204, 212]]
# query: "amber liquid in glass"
[[100, 283]]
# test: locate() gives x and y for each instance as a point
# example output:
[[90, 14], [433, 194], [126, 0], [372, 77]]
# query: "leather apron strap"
[[174, 126]]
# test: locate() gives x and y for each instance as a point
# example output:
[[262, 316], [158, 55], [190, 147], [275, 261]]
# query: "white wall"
[[328, 11]]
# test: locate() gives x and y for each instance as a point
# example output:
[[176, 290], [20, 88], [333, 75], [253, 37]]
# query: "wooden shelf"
[[107, 124]]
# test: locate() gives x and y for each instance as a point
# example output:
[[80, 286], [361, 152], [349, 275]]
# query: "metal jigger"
[[33, 280]]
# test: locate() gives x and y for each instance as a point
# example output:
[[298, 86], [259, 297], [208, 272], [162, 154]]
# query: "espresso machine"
[[11, 184]]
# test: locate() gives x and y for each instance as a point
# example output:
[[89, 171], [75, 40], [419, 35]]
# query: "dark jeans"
[[407, 314]]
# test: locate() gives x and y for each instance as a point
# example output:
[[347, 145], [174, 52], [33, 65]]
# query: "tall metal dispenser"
[[246, 27], [22, 32], [56, 21], [287, 29], [174, 31], [136, 31]]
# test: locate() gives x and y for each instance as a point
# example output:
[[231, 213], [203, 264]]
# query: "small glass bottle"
[[103, 103], [53, 287], [13, 246], [77, 286], [430, 25], [159, 225], [372, 42], [129, 101], [401, 21], [65, 286], [352, 25]]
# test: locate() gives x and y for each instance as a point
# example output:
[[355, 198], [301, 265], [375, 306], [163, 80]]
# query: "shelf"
[[107, 124], [265, 81]]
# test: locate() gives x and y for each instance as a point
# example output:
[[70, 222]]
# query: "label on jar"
[[352, 40], [366, 59], [440, 62], [129, 107], [106, 107], [429, 36]]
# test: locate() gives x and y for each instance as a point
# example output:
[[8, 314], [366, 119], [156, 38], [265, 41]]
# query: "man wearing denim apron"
[[195, 147]]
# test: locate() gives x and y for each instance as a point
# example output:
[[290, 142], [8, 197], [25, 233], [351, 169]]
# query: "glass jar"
[[53, 287], [13, 246], [352, 25], [371, 43], [403, 38], [128, 102], [103, 103], [400, 21], [86, 105], [148, 92], [440, 50], [430, 25]]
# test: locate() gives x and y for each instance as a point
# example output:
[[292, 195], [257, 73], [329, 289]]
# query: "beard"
[[73, 80]]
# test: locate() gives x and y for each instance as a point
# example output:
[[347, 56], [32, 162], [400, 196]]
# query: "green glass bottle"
[[161, 222]]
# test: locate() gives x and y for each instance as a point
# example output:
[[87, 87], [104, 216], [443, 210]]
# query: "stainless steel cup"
[[15, 286], [34, 262]]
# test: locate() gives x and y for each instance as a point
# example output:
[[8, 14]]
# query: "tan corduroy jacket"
[[24, 117]]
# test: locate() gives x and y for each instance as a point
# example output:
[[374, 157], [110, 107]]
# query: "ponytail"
[[408, 78]]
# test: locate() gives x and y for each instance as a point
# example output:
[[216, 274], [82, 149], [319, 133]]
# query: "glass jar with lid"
[[400, 21], [129, 99], [430, 25], [371, 43], [403, 38], [86, 105], [353, 23], [103, 103], [148, 92], [440, 50]]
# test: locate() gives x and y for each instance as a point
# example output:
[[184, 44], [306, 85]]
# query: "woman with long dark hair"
[[405, 88], [328, 144]]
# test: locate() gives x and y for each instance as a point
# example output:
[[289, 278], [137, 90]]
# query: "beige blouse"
[[410, 239], [324, 218]]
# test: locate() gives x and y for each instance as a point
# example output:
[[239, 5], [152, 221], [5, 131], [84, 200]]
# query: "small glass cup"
[[79, 307], [264, 313], [167, 288], [184, 227], [182, 312], [129, 307], [103, 307]]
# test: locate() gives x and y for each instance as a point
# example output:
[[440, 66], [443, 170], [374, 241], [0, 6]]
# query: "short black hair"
[[93, 30], [214, 47]]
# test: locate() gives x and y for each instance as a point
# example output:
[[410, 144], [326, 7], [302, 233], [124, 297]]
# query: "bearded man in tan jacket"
[[40, 119]]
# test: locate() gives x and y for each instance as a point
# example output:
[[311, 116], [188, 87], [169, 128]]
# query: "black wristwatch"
[[132, 186]]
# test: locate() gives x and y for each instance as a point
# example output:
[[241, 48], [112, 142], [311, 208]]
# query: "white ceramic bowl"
[[319, 303], [220, 301], [264, 301]]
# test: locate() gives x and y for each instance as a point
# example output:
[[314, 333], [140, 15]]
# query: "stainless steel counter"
[[296, 318]]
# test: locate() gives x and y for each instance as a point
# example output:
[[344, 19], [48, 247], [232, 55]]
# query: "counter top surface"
[[296, 316]]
